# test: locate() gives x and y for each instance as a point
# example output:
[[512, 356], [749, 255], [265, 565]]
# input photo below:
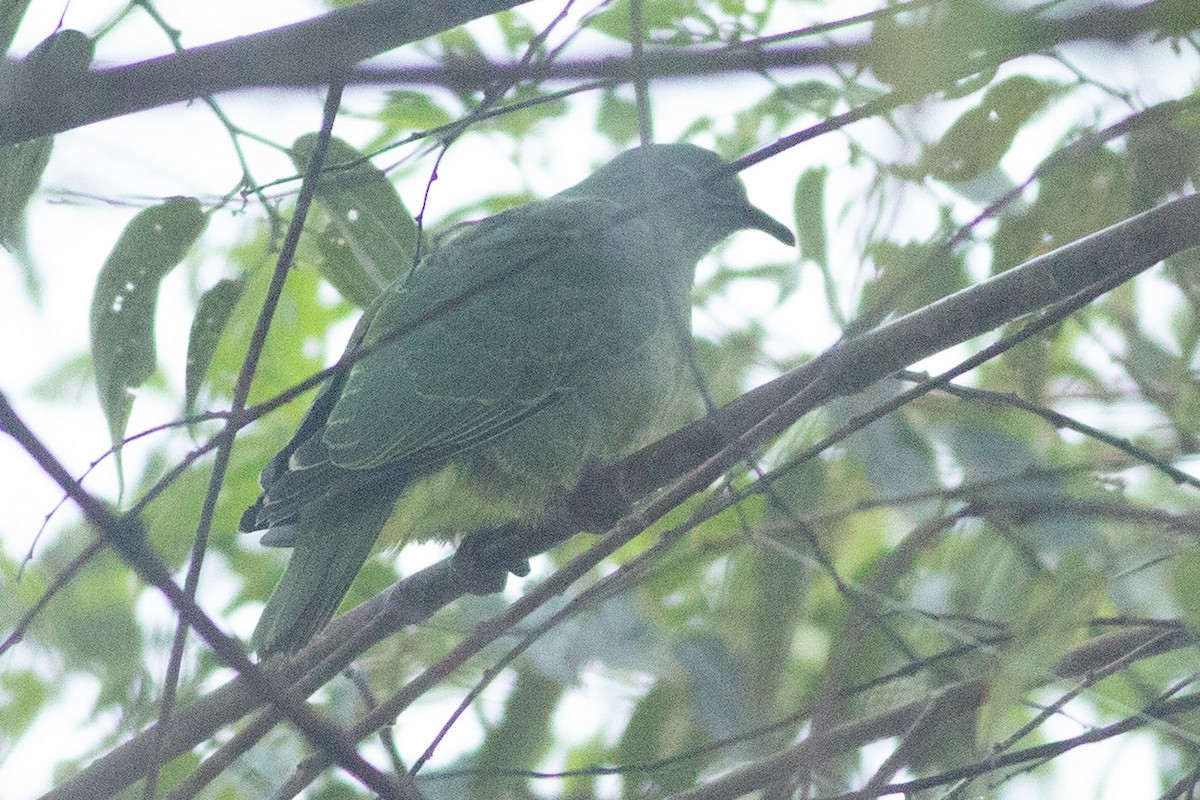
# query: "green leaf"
[[660, 727], [1019, 237], [661, 19], [517, 32], [23, 695], [912, 275], [123, 306], [810, 216], [61, 57], [616, 118], [212, 313], [720, 689], [536, 106], [1185, 579], [771, 610], [99, 635], [1055, 612], [368, 220], [21, 168], [298, 344], [523, 736], [11, 14], [898, 460], [412, 111], [937, 48], [1082, 193], [1163, 157], [818, 97], [68, 381], [343, 270], [978, 139], [614, 634], [992, 451]]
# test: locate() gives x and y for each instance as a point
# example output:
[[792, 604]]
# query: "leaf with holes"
[[372, 237], [126, 297]]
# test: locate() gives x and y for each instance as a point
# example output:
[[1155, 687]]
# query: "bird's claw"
[[485, 558]]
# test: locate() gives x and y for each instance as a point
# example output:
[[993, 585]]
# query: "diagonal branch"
[[125, 535]]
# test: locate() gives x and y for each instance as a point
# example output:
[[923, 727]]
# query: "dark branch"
[[125, 534], [311, 53]]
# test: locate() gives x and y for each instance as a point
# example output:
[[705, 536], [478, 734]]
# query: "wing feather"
[[517, 345]]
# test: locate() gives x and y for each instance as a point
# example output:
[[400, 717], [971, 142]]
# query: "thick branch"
[[307, 53], [1127, 248], [313, 52]]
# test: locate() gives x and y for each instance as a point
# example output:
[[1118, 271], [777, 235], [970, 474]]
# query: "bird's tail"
[[332, 541]]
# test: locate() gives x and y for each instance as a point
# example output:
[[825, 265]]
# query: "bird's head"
[[687, 190]]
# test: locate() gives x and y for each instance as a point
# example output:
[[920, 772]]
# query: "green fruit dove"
[[522, 348]]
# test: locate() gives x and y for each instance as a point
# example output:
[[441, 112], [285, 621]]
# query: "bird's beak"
[[760, 220]]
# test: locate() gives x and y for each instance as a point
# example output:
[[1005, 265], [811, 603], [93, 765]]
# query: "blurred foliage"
[[962, 538]]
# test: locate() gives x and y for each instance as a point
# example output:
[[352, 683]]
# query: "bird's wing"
[[497, 324]]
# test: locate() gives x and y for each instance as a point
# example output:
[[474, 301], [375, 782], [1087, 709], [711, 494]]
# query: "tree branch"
[[126, 536], [35, 102], [313, 52], [965, 696]]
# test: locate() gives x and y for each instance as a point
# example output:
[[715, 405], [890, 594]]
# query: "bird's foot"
[[597, 501], [485, 557]]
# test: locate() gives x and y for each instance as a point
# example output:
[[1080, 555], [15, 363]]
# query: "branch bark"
[[307, 53], [311, 53]]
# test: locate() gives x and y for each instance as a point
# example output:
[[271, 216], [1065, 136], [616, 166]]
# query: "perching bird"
[[562, 340]]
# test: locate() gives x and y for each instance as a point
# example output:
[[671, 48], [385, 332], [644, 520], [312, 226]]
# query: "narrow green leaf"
[[60, 58], [1185, 580], [343, 270], [126, 297], [810, 216], [368, 217], [21, 168], [11, 14], [212, 313]]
